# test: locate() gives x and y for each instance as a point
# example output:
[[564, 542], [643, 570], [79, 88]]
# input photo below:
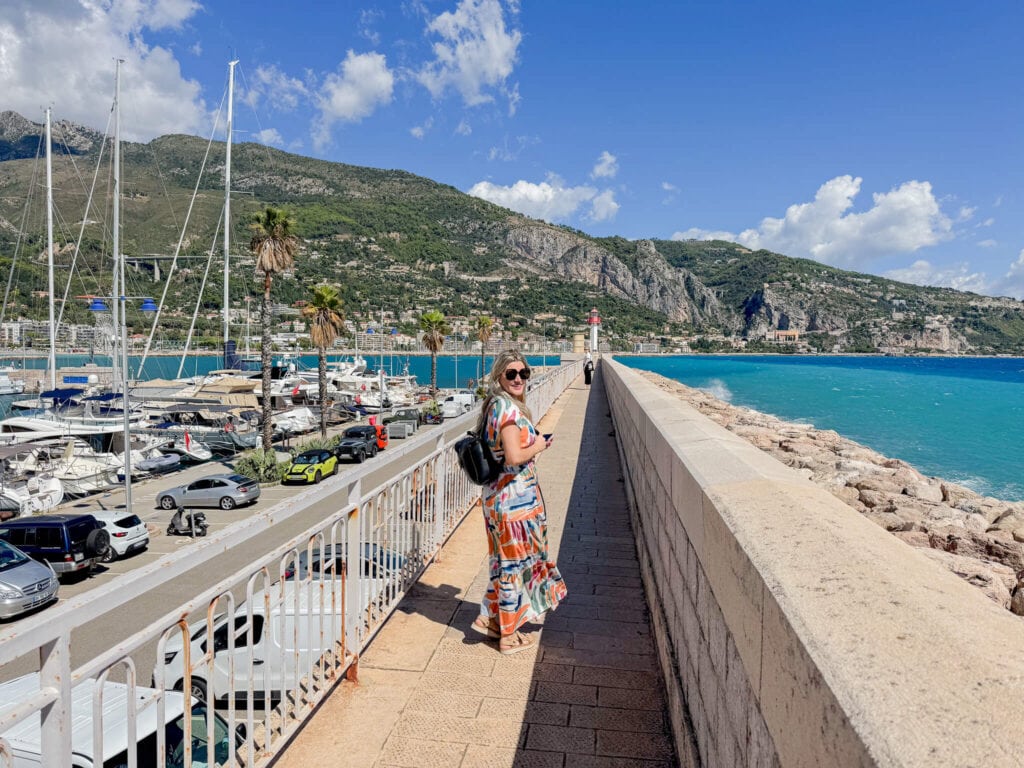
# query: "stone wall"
[[791, 630]]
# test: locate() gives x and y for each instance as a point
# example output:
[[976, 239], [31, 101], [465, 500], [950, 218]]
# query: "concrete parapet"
[[791, 630]]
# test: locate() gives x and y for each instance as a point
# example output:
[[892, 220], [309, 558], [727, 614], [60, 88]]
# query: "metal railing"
[[267, 642]]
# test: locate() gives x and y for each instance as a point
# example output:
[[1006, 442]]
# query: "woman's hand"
[[516, 453]]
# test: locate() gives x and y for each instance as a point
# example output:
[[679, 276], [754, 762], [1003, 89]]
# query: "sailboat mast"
[[119, 291], [116, 229], [52, 361], [227, 205]]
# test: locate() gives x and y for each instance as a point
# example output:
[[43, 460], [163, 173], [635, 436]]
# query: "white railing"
[[302, 615]]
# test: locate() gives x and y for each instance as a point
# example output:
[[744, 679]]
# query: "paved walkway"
[[432, 692]]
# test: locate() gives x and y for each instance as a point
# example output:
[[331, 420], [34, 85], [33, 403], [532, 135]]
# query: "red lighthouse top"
[[593, 319]]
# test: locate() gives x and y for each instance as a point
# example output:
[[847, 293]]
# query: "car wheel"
[[373, 451], [359, 456], [317, 477], [227, 502], [197, 689], [166, 502], [97, 543], [109, 556]]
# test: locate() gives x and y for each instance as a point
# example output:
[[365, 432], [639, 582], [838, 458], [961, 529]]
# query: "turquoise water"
[[961, 419]]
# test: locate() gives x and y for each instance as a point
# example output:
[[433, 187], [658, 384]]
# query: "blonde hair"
[[492, 384]]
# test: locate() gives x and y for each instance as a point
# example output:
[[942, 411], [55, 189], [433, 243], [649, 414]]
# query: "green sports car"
[[312, 466]]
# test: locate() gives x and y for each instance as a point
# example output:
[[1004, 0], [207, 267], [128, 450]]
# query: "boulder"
[[985, 576], [928, 491]]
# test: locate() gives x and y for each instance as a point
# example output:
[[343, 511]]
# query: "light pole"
[[148, 307]]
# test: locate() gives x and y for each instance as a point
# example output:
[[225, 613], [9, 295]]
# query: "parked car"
[[68, 543], [457, 403], [414, 415], [312, 466], [359, 443], [128, 533], [224, 491], [24, 583], [25, 739], [296, 630]]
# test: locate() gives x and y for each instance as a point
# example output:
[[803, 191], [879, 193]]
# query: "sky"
[[883, 137]]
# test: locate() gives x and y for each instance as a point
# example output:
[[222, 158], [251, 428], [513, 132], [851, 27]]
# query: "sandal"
[[515, 643], [489, 628]]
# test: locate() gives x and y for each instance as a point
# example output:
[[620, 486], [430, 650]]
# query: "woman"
[[524, 583]]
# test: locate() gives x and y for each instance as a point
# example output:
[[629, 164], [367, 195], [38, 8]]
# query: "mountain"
[[401, 242]]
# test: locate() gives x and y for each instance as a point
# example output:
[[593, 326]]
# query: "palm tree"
[[484, 325], [435, 327], [274, 246], [326, 323]]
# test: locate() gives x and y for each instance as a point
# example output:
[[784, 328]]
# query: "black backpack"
[[476, 459]]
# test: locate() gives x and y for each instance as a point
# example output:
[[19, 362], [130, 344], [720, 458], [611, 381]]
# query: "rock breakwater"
[[976, 537]]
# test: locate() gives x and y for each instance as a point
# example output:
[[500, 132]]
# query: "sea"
[[961, 419]]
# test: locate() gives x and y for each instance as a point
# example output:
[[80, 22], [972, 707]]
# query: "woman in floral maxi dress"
[[524, 584]]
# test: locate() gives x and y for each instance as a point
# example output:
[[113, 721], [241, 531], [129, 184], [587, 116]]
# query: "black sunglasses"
[[513, 373]]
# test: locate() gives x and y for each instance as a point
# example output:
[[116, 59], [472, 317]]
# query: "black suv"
[[69, 543]]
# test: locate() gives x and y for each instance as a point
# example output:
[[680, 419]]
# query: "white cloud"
[[694, 233], [550, 200], [367, 20], [362, 83], [668, 187], [966, 213], [957, 276], [988, 222], [903, 220], [463, 128], [510, 151], [603, 207], [61, 52], [606, 167], [989, 243], [1012, 283], [285, 92], [419, 131], [270, 136], [475, 53]]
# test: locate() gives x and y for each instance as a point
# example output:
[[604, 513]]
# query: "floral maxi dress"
[[524, 584]]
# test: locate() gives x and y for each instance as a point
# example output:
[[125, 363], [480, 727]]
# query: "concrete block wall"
[[791, 630]]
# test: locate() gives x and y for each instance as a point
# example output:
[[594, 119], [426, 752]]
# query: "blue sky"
[[885, 137]]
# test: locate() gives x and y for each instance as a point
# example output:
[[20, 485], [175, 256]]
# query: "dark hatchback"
[[69, 543]]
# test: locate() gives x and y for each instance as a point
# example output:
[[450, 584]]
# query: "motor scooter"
[[187, 524]]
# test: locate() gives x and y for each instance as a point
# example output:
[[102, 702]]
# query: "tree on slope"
[[274, 245]]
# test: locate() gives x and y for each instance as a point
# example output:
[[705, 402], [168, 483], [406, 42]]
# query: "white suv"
[[128, 533]]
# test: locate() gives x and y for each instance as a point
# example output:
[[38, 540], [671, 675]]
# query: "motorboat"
[[27, 496]]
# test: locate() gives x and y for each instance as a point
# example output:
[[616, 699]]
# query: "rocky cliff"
[[677, 293]]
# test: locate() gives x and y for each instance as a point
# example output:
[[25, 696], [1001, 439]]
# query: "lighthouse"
[[594, 321]]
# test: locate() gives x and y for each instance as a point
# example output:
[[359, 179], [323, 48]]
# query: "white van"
[[457, 403], [25, 737], [293, 634]]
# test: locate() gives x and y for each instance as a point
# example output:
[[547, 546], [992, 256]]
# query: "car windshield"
[[240, 479], [128, 522], [10, 557], [200, 743], [355, 432], [307, 458]]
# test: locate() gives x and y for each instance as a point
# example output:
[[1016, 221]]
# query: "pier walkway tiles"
[[431, 692]]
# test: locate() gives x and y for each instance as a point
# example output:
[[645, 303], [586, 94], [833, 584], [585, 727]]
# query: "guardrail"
[[266, 643]]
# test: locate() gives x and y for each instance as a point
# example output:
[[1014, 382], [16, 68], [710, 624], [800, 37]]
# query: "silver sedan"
[[24, 583], [224, 491]]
